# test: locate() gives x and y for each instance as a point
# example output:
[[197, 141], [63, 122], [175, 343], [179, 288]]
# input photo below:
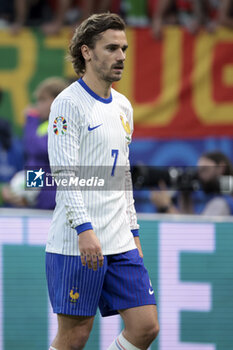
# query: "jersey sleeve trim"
[[84, 227], [135, 232]]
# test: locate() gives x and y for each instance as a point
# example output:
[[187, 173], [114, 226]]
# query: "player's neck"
[[100, 87]]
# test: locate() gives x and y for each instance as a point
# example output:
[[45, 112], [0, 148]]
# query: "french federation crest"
[[74, 295], [126, 127], [125, 124]]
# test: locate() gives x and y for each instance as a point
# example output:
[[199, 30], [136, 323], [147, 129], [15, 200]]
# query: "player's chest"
[[107, 125]]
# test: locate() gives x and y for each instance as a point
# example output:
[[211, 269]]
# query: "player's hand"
[[138, 244], [90, 250]]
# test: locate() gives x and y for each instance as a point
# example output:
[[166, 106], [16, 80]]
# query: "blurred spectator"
[[61, 9], [35, 142], [209, 13], [164, 12], [226, 13], [217, 12], [53, 14], [29, 12], [35, 131], [188, 13], [210, 200], [88, 7], [6, 12], [32, 13], [135, 12], [97, 6], [210, 10], [192, 14], [11, 156], [11, 153]]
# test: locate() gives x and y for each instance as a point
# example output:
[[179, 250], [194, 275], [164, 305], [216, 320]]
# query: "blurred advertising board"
[[190, 263]]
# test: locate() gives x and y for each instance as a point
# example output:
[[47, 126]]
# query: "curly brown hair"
[[88, 33]]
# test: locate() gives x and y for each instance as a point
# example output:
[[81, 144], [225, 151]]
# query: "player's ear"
[[86, 52]]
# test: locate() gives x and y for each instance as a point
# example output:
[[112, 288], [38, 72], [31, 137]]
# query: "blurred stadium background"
[[181, 88]]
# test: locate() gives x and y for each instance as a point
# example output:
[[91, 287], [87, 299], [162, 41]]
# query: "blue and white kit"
[[90, 131]]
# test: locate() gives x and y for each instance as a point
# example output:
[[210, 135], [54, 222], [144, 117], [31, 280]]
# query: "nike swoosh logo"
[[151, 291], [94, 127]]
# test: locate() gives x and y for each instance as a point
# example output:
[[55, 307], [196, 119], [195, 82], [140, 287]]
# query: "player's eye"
[[111, 48]]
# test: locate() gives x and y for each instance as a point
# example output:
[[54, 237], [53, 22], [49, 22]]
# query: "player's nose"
[[121, 55]]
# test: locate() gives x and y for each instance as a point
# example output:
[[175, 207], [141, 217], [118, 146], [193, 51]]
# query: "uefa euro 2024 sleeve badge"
[[60, 126]]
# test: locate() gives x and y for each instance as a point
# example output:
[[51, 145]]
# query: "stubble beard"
[[112, 79], [109, 77], [101, 73]]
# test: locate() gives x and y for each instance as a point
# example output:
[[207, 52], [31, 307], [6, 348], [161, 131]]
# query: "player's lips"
[[118, 68]]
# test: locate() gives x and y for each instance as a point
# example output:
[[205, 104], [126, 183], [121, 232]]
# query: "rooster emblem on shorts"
[[74, 295]]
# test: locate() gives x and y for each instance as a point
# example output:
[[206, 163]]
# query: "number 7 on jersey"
[[115, 156]]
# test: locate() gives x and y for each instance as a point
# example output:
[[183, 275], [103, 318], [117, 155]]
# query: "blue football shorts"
[[123, 282]]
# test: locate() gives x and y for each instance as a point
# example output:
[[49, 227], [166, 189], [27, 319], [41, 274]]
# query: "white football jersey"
[[89, 132]]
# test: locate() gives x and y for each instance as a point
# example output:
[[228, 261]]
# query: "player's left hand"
[[138, 244], [90, 250]]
